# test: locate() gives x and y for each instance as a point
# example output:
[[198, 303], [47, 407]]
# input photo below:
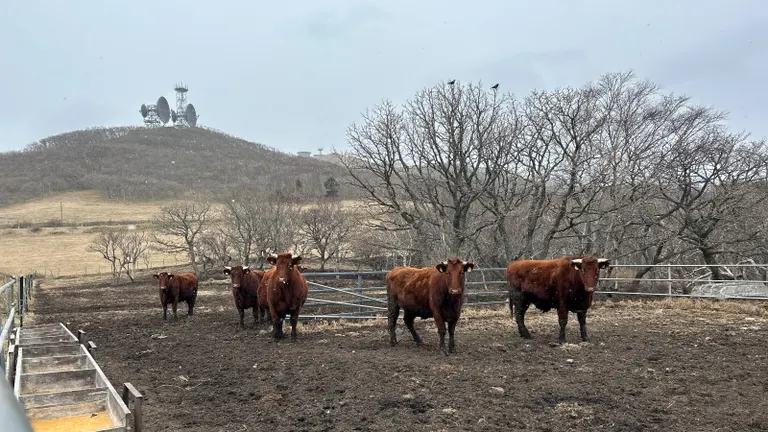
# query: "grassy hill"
[[136, 163]]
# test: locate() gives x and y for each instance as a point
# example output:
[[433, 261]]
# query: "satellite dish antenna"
[[174, 116], [163, 109], [144, 111], [191, 115]]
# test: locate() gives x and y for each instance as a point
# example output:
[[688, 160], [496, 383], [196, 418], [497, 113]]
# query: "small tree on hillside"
[[331, 187]]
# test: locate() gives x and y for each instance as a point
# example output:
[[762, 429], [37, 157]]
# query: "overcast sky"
[[294, 75]]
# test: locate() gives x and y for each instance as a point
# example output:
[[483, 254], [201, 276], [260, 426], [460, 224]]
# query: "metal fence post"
[[669, 279], [359, 288], [21, 301]]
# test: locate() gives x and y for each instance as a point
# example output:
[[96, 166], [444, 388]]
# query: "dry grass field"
[[78, 208], [61, 251], [28, 243]]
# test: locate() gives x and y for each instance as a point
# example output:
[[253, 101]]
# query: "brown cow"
[[286, 292], [175, 287], [567, 284], [427, 292], [245, 286]]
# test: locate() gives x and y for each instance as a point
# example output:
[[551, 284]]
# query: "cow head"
[[163, 279], [455, 268], [236, 274], [589, 269], [284, 264]]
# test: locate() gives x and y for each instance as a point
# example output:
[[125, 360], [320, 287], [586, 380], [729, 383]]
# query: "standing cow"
[[427, 292], [286, 292], [245, 287], [567, 284], [175, 288]]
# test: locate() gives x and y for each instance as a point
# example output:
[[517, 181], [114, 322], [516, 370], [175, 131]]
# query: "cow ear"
[[603, 263], [246, 270], [576, 263], [468, 267], [442, 267], [227, 270], [156, 276], [272, 260], [170, 276], [296, 260]]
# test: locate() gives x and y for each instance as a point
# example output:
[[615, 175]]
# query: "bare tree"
[[617, 168], [107, 244], [179, 225], [326, 227], [710, 183], [122, 249], [427, 165], [133, 247], [214, 250], [244, 224]]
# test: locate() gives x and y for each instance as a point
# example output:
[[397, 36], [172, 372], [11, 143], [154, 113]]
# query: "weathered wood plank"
[[52, 382], [70, 410], [63, 398], [54, 363], [51, 350]]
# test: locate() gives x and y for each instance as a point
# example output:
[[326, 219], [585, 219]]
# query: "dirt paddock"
[[667, 366]]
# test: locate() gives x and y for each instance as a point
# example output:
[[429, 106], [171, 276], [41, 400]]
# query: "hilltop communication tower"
[[159, 114], [149, 112]]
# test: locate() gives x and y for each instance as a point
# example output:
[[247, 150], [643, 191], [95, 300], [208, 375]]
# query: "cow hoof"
[[392, 343], [585, 339], [526, 336]]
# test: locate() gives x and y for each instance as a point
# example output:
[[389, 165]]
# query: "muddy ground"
[[667, 366]]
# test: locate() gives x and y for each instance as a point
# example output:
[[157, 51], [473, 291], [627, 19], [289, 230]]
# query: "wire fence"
[[362, 295]]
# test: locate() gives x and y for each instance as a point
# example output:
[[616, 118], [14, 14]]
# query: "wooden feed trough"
[[61, 386]]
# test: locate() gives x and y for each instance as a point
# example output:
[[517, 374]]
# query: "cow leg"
[[277, 323], [451, 329], [520, 307], [393, 312], [562, 319], [165, 311], [241, 312], [409, 317], [440, 322], [191, 305], [294, 322], [255, 315], [277, 328], [582, 316], [175, 306]]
